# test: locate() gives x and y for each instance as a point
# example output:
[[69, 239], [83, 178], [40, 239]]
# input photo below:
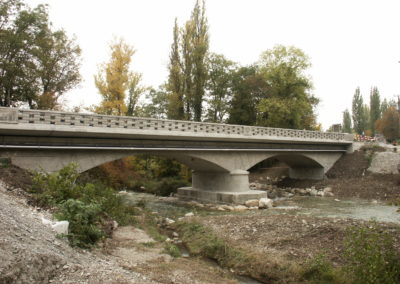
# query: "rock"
[[253, 208], [114, 225], [385, 163], [302, 192], [190, 214], [240, 208], [336, 199], [313, 192], [61, 227], [169, 221], [253, 185], [251, 203], [175, 234], [327, 189], [220, 208], [46, 222], [329, 194], [227, 207], [320, 193], [265, 203], [122, 192]]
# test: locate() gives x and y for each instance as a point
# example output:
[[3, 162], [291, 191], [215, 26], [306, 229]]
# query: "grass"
[[202, 241]]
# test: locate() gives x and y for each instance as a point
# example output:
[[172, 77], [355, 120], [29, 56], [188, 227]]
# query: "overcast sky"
[[351, 43]]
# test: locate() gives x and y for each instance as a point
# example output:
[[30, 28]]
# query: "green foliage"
[[188, 67], [37, 63], [360, 113], [289, 102], [5, 162], [172, 250], [83, 220], [248, 87], [219, 86], [346, 125], [320, 270], [85, 206], [371, 255], [374, 108]]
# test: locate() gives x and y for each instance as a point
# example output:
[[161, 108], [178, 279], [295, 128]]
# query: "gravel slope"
[[30, 252]]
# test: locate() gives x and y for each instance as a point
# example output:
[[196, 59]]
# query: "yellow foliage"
[[113, 79]]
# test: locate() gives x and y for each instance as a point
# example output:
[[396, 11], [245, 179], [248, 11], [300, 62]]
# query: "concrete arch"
[[302, 165], [54, 160]]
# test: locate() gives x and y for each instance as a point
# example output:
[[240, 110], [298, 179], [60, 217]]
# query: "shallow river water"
[[312, 206]]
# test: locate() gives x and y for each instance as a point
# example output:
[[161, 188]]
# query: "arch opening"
[[296, 166]]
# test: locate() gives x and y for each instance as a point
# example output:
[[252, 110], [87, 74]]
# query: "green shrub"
[[169, 185], [172, 250], [83, 220], [71, 198], [5, 162], [320, 270], [371, 255]]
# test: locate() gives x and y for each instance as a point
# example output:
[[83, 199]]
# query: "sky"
[[350, 43]]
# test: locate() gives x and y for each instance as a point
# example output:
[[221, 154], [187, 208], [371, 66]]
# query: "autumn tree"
[[389, 125], [114, 80], [37, 63], [374, 108], [346, 125], [289, 102], [219, 87]]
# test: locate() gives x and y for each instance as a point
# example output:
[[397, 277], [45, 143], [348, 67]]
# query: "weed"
[[371, 256], [320, 270], [172, 250]]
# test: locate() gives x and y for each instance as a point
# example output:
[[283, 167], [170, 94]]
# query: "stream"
[[312, 206]]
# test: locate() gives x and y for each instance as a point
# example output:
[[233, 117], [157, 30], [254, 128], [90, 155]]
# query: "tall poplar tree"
[[346, 125], [358, 112], [375, 110], [175, 79], [188, 67]]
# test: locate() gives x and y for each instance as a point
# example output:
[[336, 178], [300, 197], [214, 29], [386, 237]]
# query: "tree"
[[346, 125], [188, 66], [375, 108], [135, 90], [37, 64], [389, 125], [289, 102], [114, 79], [175, 79], [219, 87], [358, 113], [248, 87], [156, 105]]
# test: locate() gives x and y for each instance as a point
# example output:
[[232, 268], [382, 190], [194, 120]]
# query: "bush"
[[85, 206], [371, 256], [172, 250], [320, 270], [83, 220]]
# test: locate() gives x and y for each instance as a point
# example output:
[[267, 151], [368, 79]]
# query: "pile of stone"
[[276, 192]]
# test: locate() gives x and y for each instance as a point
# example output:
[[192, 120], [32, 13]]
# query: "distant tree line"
[[275, 91], [376, 117]]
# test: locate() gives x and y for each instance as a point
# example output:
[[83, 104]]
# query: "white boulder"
[[61, 227], [265, 203]]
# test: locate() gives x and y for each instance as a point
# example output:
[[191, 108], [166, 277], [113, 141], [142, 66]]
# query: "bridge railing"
[[128, 122]]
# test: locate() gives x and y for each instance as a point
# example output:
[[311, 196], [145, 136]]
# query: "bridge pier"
[[221, 187]]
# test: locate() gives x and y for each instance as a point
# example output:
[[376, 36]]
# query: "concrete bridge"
[[218, 154]]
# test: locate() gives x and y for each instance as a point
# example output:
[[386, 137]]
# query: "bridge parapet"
[[22, 116]]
